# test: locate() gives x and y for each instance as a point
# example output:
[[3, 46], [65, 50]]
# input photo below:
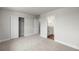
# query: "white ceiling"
[[31, 10]]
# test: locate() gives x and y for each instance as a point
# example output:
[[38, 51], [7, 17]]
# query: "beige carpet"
[[33, 43]]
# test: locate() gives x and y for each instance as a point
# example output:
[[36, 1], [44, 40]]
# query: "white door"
[[14, 27]]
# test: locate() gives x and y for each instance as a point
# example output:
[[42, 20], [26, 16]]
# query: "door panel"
[[14, 27]]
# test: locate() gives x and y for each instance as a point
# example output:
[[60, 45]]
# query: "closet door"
[[14, 27]]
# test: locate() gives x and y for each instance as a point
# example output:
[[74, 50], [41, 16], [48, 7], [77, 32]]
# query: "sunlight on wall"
[[50, 26], [51, 21]]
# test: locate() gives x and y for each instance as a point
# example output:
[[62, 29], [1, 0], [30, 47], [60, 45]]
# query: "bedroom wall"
[[5, 24], [43, 26], [66, 29], [36, 25]]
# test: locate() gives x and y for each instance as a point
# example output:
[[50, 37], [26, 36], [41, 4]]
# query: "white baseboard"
[[30, 34], [4, 40], [17, 37], [72, 46]]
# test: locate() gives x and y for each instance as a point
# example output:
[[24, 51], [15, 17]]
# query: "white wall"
[[36, 25], [66, 26], [29, 26], [43, 26], [50, 30], [5, 24]]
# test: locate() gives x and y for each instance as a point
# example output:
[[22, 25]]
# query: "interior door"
[[14, 27]]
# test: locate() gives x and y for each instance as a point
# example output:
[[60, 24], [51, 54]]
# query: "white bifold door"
[[14, 27]]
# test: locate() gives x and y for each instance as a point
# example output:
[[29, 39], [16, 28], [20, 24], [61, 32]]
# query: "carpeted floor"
[[33, 43]]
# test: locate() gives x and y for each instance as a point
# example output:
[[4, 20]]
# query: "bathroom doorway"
[[21, 26]]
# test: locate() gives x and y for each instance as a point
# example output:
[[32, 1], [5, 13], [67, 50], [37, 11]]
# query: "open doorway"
[[50, 27], [21, 26]]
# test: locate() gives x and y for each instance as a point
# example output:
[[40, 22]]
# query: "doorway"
[[50, 27], [21, 26]]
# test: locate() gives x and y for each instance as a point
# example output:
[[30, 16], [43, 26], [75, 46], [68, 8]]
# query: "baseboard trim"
[[4, 40], [67, 44], [30, 34]]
